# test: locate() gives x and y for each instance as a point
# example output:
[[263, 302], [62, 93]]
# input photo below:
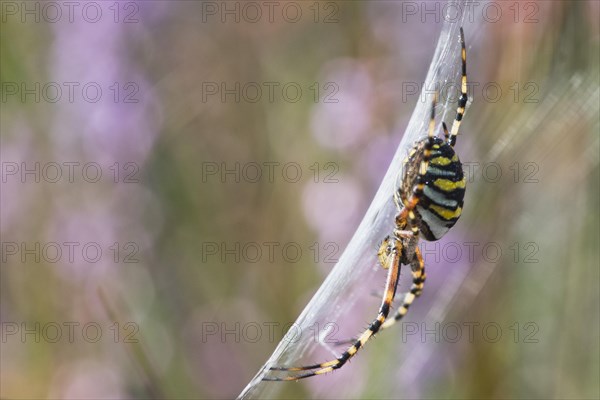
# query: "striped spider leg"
[[393, 249]]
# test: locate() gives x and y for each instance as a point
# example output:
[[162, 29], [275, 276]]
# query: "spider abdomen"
[[440, 204]]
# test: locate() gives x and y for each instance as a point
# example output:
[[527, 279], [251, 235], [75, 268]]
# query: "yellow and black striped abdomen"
[[440, 204]]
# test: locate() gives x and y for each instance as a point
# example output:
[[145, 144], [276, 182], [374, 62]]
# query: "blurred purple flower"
[[333, 209], [343, 123]]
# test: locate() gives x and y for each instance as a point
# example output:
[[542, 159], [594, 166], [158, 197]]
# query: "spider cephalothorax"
[[429, 200]]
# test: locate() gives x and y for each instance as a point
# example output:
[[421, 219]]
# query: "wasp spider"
[[429, 200]]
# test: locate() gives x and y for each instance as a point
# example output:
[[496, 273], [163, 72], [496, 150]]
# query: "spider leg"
[[431, 130], [462, 100], [384, 310], [446, 134], [418, 272]]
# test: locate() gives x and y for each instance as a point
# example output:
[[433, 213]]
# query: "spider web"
[[340, 293]]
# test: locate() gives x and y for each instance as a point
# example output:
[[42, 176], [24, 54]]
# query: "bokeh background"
[[171, 275]]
